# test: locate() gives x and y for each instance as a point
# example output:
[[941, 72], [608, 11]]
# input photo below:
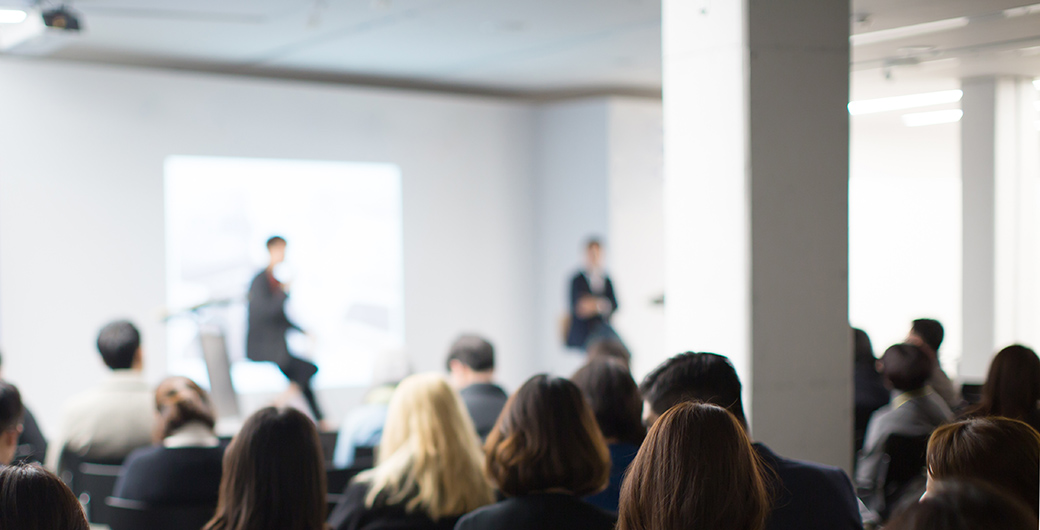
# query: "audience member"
[[111, 420], [32, 446], [602, 349], [184, 468], [615, 401], [471, 363], [1012, 387], [32, 498], [274, 475], [697, 470], [928, 334], [544, 454], [11, 413], [959, 505], [363, 426], [810, 496], [1002, 452], [870, 390], [429, 465]]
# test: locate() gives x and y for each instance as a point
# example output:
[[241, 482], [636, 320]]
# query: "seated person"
[[32, 446], [471, 363], [928, 334], [184, 468], [1012, 388], [614, 397], [33, 498], [108, 422], [545, 454], [809, 496], [915, 410], [429, 468], [608, 349], [11, 413], [868, 385], [363, 426], [964, 505]]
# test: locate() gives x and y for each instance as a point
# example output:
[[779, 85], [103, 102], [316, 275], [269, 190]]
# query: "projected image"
[[342, 268]]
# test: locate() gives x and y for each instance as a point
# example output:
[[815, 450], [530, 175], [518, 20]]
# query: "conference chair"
[[91, 482], [125, 514], [902, 475], [337, 480], [328, 445]]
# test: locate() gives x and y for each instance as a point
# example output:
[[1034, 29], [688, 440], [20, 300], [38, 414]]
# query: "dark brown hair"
[[547, 438], [906, 366], [1012, 386], [274, 475], [11, 409], [1002, 452], [32, 498], [703, 377], [608, 349], [179, 401], [614, 398], [697, 469], [963, 505]]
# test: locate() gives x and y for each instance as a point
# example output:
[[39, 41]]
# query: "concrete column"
[[1000, 156], [756, 209]]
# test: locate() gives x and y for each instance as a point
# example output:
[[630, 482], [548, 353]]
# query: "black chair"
[[972, 393], [902, 474], [91, 482], [364, 457], [328, 445], [337, 480], [125, 514]]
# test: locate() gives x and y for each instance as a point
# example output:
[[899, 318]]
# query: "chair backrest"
[[364, 457], [328, 445], [218, 366], [972, 393], [903, 469], [126, 514], [92, 482]]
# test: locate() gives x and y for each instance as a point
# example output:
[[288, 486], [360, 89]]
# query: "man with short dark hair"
[[32, 446], [928, 333], [471, 363], [109, 421], [11, 413], [809, 496]]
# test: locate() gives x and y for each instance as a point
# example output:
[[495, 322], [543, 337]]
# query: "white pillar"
[[1000, 157], [756, 209]]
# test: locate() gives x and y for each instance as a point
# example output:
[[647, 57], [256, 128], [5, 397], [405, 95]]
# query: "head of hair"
[[1012, 386], [274, 475], [473, 351], [613, 349], [179, 401], [614, 398], [1002, 452], [32, 498], [906, 367], [11, 409], [703, 377], [862, 349], [697, 469], [930, 331], [429, 456], [963, 505], [593, 242], [118, 343], [546, 438], [274, 241]]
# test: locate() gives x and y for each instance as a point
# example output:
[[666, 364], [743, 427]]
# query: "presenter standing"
[[268, 324], [592, 301]]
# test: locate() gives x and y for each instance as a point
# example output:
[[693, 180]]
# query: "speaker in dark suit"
[[592, 301]]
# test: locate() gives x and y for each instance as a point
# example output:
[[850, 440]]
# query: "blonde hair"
[[429, 457]]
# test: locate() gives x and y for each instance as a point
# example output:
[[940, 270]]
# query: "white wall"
[[81, 206]]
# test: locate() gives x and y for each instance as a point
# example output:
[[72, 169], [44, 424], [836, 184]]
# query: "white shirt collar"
[[194, 434]]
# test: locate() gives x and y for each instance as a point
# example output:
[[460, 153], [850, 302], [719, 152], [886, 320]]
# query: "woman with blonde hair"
[[428, 470]]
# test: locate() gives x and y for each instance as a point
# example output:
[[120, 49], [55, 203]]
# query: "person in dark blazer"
[[32, 446], [592, 300], [868, 385], [268, 324], [471, 363]]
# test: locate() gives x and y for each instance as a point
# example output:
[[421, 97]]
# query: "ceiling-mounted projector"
[[41, 32], [61, 18]]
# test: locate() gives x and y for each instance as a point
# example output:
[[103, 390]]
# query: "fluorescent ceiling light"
[[1022, 11], [886, 35], [12, 16], [919, 119], [871, 106]]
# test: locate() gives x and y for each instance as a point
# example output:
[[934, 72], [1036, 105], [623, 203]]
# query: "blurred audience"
[[1012, 387], [116, 417], [471, 363], [32, 498], [928, 334], [274, 475], [609, 349], [429, 465], [615, 401], [185, 465], [32, 446], [697, 469], [363, 426], [809, 496], [11, 413], [870, 390], [960, 505], [544, 454]]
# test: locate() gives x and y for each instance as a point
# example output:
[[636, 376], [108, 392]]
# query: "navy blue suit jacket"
[[581, 328], [810, 496]]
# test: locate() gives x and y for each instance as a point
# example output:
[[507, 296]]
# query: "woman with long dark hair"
[[1012, 387]]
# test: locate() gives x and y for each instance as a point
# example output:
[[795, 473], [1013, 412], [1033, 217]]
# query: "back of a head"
[[547, 439], [429, 457], [614, 398], [1002, 452], [179, 402], [473, 351], [118, 343], [1012, 386], [11, 409], [963, 505], [862, 349], [608, 349], [697, 469], [906, 367], [32, 498], [274, 475], [703, 377], [930, 331]]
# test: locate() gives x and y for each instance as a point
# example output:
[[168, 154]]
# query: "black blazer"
[[811, 496], [171, 475], [581, 328], [265, 339], [32, 446], [543, 511], [352, 514]]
